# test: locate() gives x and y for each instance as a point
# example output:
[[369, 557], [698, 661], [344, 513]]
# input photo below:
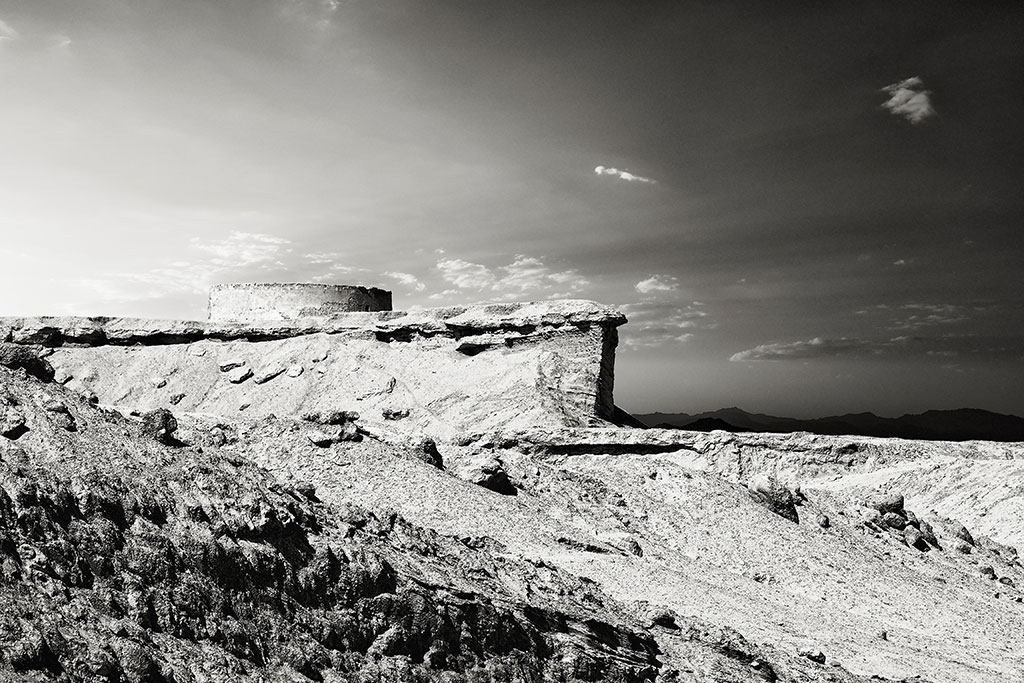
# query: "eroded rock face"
[[530, 364], [124, 560]]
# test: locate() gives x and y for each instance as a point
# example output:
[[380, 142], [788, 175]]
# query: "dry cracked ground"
[[191, 547]]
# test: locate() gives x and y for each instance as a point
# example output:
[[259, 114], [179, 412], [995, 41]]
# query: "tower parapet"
[[253, 302]]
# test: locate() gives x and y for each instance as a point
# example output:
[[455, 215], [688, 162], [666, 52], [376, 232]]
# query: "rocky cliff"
[[438, 497], [450, 369]]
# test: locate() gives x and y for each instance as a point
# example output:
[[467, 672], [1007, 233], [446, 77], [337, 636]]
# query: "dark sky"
[[803, 208]]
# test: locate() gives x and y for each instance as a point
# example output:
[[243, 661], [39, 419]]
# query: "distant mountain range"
[[945, 425]]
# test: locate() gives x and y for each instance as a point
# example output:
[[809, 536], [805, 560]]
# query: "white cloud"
[[659, 323], [657, 283], [622, 175], [909, 99], [243, 249], [407, 279], [526, 276], [817, 347], [466, 275], [239, 256], [7, 32]]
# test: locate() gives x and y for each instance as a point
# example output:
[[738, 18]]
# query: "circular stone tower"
[[253, 302]]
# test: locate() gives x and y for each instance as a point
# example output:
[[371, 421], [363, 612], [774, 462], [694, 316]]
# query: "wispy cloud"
[[903, 346], [7, 32], [909, 99], [661, 323], [239, 256], [407, 279], [315, 13], [525, 277], [622, 175], [244, 249], [657, 283], [818, 347]]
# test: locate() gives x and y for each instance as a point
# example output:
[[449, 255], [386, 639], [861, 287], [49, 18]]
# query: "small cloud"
[[244, 249], [657, 283], [408, 280], [7, 32], [902, 346], [909, 99], [59, 41], [526, 276], [659, 323], [818, 347], [900, 262], [622, 175]]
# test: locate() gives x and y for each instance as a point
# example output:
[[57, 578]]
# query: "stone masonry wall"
[[270, 301]]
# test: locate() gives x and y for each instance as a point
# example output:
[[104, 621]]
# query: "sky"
[[802, 208]]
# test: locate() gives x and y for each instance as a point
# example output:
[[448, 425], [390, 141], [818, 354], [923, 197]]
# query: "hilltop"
[[965, 424], [175, 508]]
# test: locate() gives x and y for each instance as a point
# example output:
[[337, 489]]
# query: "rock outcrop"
[[453, 369]]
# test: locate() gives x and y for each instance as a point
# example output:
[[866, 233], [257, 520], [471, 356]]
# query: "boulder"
[[425, 450], [231, 364], [160, 424], [28, 358], [914, 539], [961, 532], [811, 654], [767, 491], [12, 422], [268, 373], [891, 502], [489, 472], [239, 374], [894, 520]]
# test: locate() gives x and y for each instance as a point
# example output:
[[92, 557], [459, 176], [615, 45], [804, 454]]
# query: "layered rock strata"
[[453, 369]]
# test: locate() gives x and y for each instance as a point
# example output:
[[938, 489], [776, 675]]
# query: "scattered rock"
[[912, 519], [892, 502], [813, 655], [27, 357], [239, 374], [767, 491], [12, 422], [987, 573], [231, 364], [822, 520], [634, 548], [395, 413], [160, 424], [961, 532], [332, 434], [914, 538], [425, 449], [62, 417], [175, 399], [964, 547], [928, 534], [894, 520], [268, 373], [331, 417], [884, 635], [293, 370], [488, 471], [1006, 581], [158, 382], [663, 617], [320, 438]]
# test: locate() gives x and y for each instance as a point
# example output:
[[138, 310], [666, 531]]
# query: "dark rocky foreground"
[[126, 555]]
